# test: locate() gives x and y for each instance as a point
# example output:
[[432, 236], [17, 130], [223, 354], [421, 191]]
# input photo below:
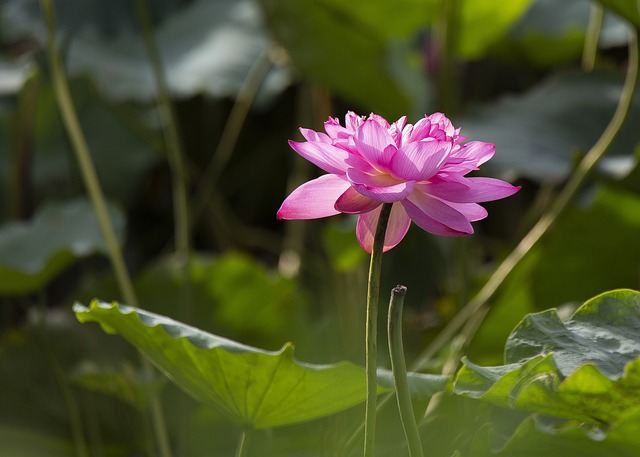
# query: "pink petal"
[[434, 216], [476, 153], [311, 135], [397, 228], [375, 144], [387, 194], [369, 178], [418, 161], [323, 155], [471, 190], [472, 211], [314, 199], [353, 202], [422, 130]]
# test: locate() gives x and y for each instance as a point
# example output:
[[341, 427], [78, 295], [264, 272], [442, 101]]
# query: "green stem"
[[583, 169], [90, 178], [243, 447], [81, 150], [399, 371], [171, 134], [592, 36], [373, 293]]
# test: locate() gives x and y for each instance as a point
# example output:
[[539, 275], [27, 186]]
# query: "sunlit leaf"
[[32, 253], [586, 368], [250, 386], [535, 437]]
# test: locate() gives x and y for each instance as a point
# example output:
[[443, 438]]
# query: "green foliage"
[[250, 386], [33, 253], [569, 387], [586, 368]]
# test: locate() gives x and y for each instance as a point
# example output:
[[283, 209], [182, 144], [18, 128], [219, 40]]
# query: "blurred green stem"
[[90, 178], [81, 150], [373, 294], [584, 168], [242, 450], [230, 134], [172, 136], [592, 36], [399, 371]]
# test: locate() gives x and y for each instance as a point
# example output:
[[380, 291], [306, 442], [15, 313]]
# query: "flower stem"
[[399, 371], [373, 293], [584, 168]]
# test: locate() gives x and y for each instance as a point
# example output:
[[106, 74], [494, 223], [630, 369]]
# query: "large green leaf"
[[32, 253], [586, 368], [533, 438], [250, 386]]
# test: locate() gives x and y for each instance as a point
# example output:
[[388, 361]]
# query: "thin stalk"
[[590, 49], [540, 228], [230, 134], [98, 201], [373, 294], [399, 371], [171, 134], [243, 447], [81, 150]]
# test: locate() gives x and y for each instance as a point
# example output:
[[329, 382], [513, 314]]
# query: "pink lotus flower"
[[419, 168]]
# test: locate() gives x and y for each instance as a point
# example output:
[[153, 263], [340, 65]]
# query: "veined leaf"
[[587, 368], [250, 386]]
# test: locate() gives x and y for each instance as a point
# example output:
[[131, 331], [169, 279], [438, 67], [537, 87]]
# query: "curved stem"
[[81, 150], [590, 49], [399, 371], [540, 228], [373, 294], [171, 134]]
